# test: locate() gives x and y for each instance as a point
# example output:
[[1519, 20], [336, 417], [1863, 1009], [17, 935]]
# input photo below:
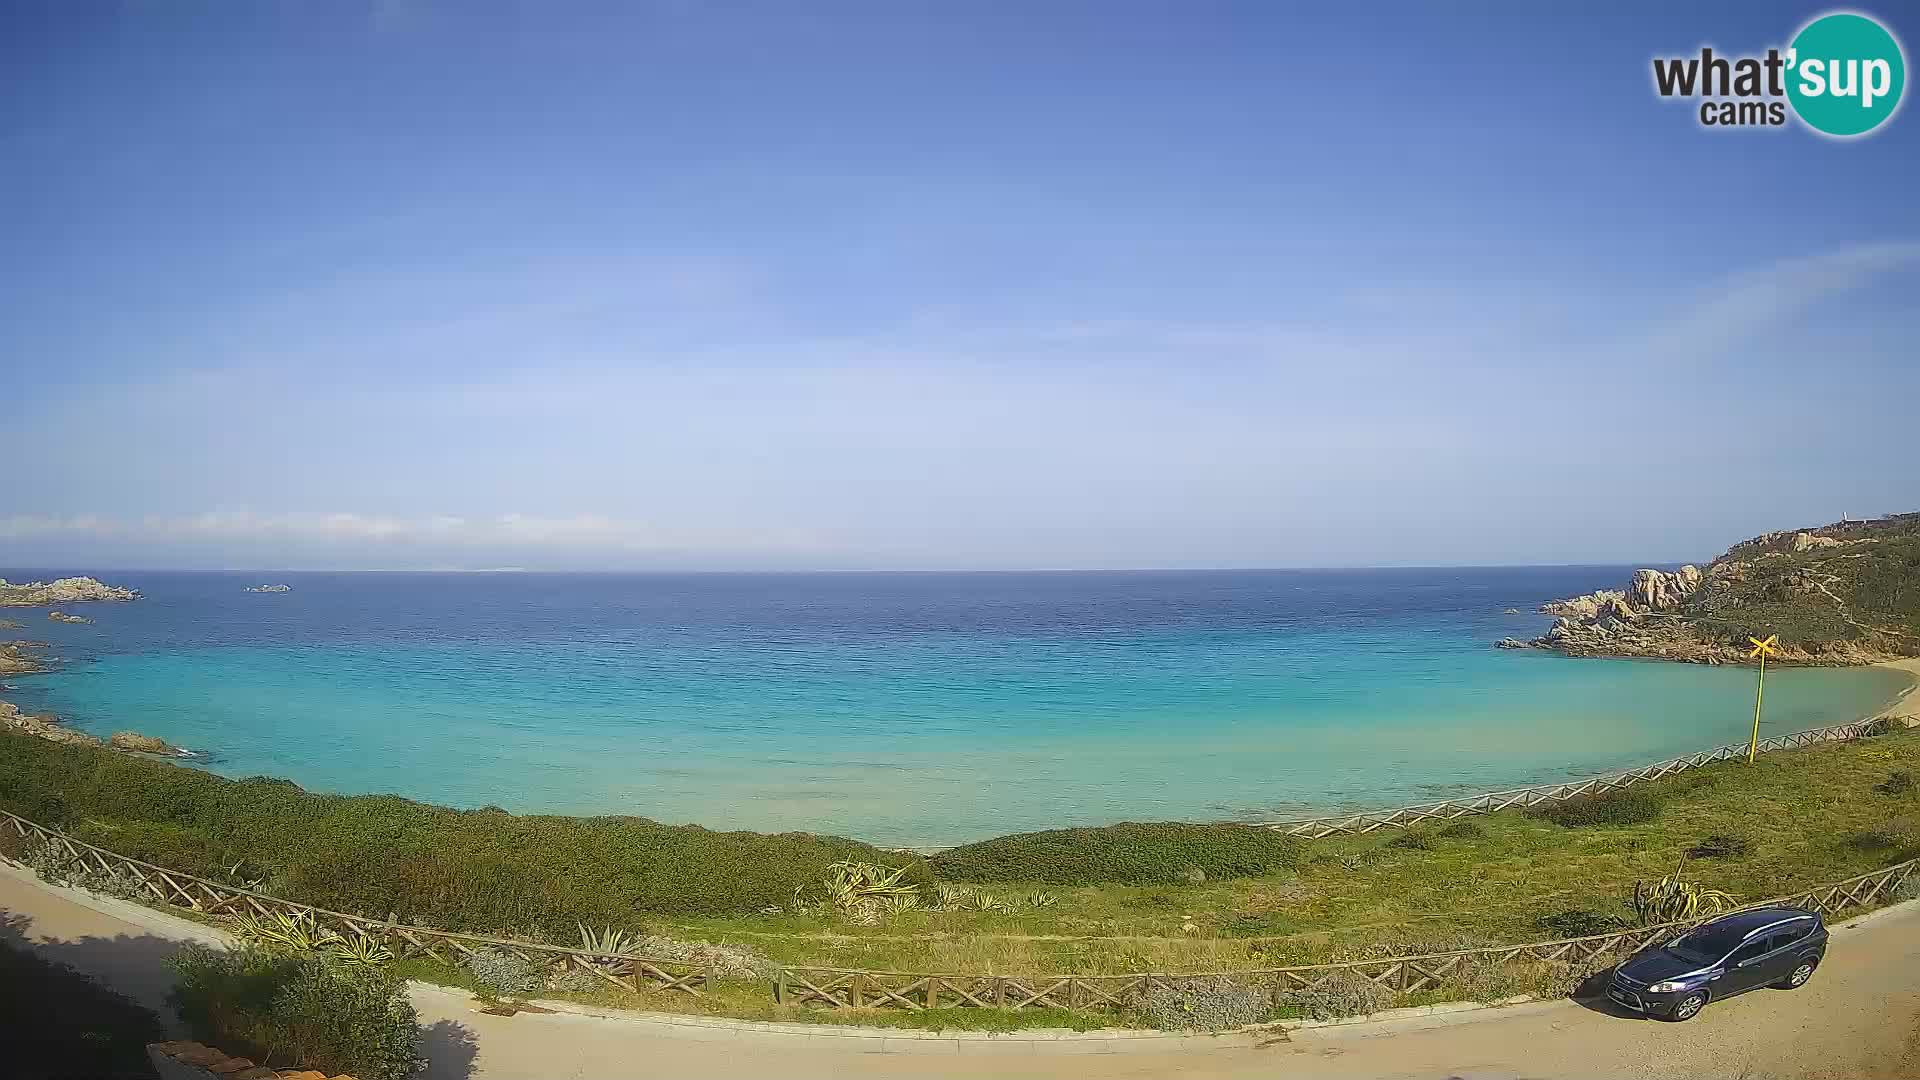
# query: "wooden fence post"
[[780, 987]]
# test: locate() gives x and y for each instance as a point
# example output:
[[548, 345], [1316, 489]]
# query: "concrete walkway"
[[1855, 1020]]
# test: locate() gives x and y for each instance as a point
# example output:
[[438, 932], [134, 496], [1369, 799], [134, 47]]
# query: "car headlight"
[[1668, 987]]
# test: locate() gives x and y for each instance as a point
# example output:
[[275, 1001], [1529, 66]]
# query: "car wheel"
[[1688, 1007], [1798, 977]]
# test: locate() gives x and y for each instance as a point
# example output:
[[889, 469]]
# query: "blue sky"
[[915, 285]]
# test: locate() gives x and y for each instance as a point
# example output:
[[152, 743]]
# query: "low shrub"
[[1628, 806], [1908, 889], [1898, 782], [1127, 854], [1412, 840], [1462, 829], [507, 973], [459, 870], [293, 1011], [1213, 1003], [1341, 994], [1580, 923], [1721, 846]]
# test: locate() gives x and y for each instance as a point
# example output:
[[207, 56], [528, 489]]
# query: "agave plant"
[[607, 941], [1042, 900], [298, 931], [358, 950], [1672, 899]]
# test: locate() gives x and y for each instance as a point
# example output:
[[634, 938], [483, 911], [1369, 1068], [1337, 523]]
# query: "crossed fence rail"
[[198, 894], [846, 988], [1489, 802]]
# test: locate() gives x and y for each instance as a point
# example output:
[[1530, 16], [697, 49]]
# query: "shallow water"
[[914, 709]]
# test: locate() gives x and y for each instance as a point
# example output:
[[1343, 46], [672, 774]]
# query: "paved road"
[[1857, 1019]]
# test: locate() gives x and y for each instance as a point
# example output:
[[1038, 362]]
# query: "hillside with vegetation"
[[1847, 593]]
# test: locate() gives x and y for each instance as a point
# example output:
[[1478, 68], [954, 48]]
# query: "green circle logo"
[[1845, 74]]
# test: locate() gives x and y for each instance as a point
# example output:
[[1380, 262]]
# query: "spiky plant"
[[298, 931], [1673, 899], [606, 941], [358, 950]]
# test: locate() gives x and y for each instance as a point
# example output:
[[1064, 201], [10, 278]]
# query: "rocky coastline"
[[71, 590], [1836, 596], [20, 658]]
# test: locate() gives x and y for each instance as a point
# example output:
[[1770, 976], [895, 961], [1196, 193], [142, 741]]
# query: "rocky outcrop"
[[9, 624], [1841, 594], [145, 744], [41, 725], [61, 616], [269, 588], [71, 590], [15, 660]]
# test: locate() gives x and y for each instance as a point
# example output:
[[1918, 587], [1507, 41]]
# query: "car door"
[[1744, 969]]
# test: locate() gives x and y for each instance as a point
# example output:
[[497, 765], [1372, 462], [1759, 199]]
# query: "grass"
[[1809, 816]]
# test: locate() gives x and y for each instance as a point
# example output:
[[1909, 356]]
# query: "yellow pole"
[[1753, 744]]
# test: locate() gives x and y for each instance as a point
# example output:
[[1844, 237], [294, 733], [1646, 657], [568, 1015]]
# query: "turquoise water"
[[908, 709]]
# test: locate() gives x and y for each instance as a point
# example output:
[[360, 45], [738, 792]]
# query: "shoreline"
[[1905, 707]]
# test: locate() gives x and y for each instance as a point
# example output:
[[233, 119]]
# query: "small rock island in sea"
[[70, 590], [1841, 594], [269, 588]]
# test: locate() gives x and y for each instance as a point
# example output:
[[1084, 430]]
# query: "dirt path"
[[1856, 1019]]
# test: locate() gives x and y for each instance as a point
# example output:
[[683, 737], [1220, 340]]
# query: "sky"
[[411, 285]]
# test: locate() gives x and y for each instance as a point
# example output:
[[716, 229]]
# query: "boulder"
[[143, 744], [61, 616], [64, 591]]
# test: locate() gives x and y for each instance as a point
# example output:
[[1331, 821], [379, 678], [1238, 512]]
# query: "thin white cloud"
[[580, 532], [1745, 305]]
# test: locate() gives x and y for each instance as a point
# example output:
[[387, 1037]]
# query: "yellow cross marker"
[[1761, 649]]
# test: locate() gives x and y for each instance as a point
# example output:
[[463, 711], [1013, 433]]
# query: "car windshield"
[[1708, 944]]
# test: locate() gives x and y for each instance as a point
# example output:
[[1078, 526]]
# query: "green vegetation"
[[301, 1011], [1859, 584], [1129, 898], [481, 871], [60, 1023], [1127, 854], [1628, 806]]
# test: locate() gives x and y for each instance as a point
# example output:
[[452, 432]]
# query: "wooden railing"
[[844, 988], [198, 894], [1489, 802]]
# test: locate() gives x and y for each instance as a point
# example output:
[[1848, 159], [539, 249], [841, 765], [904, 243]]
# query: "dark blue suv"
[[1775, 946]]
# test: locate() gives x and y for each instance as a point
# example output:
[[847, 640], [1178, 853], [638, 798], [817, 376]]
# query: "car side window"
[[1787, 935], [1756, 947]]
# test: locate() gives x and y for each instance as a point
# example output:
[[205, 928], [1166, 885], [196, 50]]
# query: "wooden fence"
[[1490, 802], [850, 989], [198, 894], [841, 988]]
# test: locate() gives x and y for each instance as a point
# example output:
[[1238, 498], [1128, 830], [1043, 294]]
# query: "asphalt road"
[[1856, 1019]]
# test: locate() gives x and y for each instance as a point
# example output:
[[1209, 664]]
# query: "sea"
[[908, 709]]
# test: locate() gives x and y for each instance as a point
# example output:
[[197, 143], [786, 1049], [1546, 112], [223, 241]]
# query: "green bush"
[[1628, 806], [1902, 834], [1463, 829], [1898, 782], [297, 1011], [1412, 840], [1127, 854], [1209, 1003], [480, 871]]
